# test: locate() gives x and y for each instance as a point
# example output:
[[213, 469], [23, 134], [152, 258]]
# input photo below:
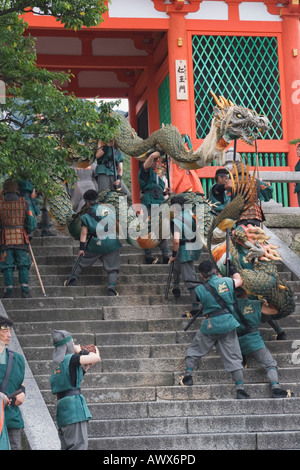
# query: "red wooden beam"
[[91, 62]]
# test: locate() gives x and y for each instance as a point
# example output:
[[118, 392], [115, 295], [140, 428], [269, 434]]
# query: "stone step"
[[68, 255], [161, 364], [204, 377], [133, 393], [164, 394], [94, 289], [96, 280], [52, 242], [211, 441], [192, 408], [67, 301], [135, 332], [145, 347], [192, 425]]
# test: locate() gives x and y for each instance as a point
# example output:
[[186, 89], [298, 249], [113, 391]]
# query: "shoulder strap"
[[93, 215], [216, 295], [223, 304], [8, 370]]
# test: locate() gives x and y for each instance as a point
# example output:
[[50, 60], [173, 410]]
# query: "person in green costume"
[[98, 240], [12, 373], [31, 194], [4, 442], [109, 169], [218, 192], [154, 190], [297, 168], [16, 221], [248, 314], [70, 363], [186, 249], [216, 294]]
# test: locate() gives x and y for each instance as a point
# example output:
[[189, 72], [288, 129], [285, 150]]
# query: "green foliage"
[[295, 141], [41, 126], [73, 14]]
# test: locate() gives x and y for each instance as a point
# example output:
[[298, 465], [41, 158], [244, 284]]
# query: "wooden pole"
[[37, 270]]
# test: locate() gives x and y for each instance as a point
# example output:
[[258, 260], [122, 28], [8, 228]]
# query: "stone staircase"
[[133, 394]]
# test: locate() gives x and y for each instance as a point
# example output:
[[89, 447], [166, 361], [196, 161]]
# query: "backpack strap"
[[8, 370], [221, 301]]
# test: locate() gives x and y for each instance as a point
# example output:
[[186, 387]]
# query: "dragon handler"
[[12, 374], [248, 314], [70, 363], [16, 222], [98, 240], [186, 249], [219, 327]]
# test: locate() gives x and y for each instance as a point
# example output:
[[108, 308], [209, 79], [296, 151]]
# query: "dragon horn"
[[251, 190], [221, 101], [233, 183], [247, 175], [237, 178]]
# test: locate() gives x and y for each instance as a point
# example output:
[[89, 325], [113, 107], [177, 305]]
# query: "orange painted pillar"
[[181, 180], [134, 164], [291, 62], [177, 50]]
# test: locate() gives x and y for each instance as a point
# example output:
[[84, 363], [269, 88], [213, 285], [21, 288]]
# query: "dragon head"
[[237, 122]]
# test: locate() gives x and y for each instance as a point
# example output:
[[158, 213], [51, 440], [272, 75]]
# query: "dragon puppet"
[[229, 122]]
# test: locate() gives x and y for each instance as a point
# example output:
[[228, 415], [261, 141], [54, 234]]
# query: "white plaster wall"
[[134, 9], [256, 11], [210, 10]]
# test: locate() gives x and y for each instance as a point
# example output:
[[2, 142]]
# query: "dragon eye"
[[239, 115]]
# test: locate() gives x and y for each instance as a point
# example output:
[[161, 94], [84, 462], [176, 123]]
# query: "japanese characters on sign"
[[181, 80]]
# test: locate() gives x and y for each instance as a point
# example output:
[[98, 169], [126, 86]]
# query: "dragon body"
[[229, 122]]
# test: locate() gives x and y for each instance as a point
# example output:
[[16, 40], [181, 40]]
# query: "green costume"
[[72, 413], [248, 313], [105, 164], [72, 408], [13, 416], [222, 323], [16, 221], [106, 172], [251, 311], [189, 251], [101, 224], [102, 244], [26, 189], [189, 248], [217, 194], [4, 442], [217, 329], [151, 186]]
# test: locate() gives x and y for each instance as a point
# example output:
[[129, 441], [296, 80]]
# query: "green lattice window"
[[164, 102], [243, 69]]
